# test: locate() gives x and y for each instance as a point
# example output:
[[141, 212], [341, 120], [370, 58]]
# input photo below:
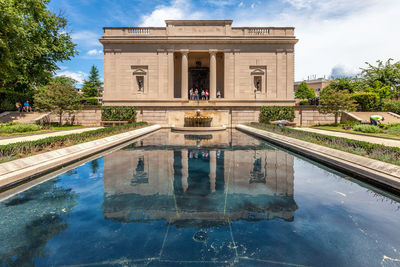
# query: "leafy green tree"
[[32, 41], [91, 86], [368, 101], [304, 91], [336, 102], [339, 84], [383, 91], [59, 98], [386, 73]]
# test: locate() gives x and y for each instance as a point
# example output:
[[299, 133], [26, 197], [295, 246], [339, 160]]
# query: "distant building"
[[316, 84]]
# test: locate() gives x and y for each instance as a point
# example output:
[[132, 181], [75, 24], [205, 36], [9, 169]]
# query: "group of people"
[[196, 94], [26, 107]]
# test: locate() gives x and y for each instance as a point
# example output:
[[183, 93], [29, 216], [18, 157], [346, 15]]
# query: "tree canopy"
[[32, 41], [58, 96], [387, 74], [304, 91], [336, 102], [91, 86]]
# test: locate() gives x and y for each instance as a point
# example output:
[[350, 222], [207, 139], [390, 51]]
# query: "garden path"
[[45, 135], [370, 139]]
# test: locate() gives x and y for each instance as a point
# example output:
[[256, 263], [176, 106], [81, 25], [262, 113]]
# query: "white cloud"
[[95, 52], [86, 38], [340, 71], [179, 9], [79, 76], [241, 4]]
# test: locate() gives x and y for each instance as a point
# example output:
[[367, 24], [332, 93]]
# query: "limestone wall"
[[309, 116], [86, 117]]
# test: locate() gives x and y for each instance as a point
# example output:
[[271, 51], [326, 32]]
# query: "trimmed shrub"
[[303, 103], [273, 113], [366, 128], [118, 114], [91, 101], [374, 151], [394, 130], [392, 106], [17, 150], [19, 128], [368, 101]]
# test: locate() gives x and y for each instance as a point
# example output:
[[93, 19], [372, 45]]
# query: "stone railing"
[[139, 31], [258, 31]]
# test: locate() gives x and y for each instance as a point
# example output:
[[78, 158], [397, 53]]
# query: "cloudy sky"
[[336, 37]]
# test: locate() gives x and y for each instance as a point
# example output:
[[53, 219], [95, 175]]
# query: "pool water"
[[212, 199]]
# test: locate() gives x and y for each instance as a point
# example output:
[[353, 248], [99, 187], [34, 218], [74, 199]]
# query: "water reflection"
[[198, 186]]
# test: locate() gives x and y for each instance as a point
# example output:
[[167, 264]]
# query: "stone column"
[[213, 74], [184, 84], [170, 94]]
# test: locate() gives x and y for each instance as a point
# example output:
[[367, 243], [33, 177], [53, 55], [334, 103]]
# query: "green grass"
[[18, 129], [375, 151], [23, 149], [339, 128]]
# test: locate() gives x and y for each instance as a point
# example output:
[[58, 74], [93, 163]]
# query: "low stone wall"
[[88, 116], [309, 116]]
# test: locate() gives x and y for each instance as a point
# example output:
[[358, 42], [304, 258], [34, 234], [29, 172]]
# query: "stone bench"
[[287, 123], [113, 123]]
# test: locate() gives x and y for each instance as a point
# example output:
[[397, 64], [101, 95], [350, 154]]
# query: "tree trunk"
[[60, 118], [336, 118]]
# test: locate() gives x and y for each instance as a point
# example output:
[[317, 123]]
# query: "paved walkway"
[[41, 136], [374, 140]]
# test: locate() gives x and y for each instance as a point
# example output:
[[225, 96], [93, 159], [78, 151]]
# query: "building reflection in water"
[[228, 177]]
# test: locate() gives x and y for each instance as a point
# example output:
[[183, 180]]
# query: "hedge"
[[368, 101], [118, 114], [91, 101], [21, 149], [375, 151], [392, 106], [273, 113]]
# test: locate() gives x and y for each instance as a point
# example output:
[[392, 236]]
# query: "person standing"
[[191, 93], [197, 94], [203, 95], [207, 95], [218, 94]]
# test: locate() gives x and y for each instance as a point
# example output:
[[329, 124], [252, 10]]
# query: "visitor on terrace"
[[376, 119], [207, 95], [197, 94], [27, 107], [191, 94], [203, 95]]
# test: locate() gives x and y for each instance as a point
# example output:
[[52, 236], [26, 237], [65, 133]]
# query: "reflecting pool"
[[220, 199]]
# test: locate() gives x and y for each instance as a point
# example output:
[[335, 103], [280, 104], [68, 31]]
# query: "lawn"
[[18, 129], [339, 128]]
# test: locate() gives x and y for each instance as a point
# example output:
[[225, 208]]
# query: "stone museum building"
[[227, 72]]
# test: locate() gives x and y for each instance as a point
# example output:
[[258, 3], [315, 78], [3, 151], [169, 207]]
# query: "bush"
[[351, 123], [374, 151], [368, 101], [303, 103], [91, 101], [17, 150], [394, 130], [273, 113], [118, 114], [390, 125], [19, 128], [366, 128], [392, 106]]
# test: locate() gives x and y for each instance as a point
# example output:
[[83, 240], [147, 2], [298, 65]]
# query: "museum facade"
[[202, 64]]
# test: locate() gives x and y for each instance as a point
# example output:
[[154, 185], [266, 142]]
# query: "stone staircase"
[[363, 117], [21, 117]]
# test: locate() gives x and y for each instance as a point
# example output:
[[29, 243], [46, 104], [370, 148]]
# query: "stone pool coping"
[[373, 171], [20, 170]]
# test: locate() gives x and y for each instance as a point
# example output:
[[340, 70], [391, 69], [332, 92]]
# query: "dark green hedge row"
[[274, 113], [375, 151], [118, 114], [18, 150]]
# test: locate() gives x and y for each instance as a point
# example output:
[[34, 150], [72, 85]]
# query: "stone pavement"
[[370, 139], [41, 136]]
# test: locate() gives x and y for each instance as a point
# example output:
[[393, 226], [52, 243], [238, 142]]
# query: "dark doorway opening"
[[199, 78]]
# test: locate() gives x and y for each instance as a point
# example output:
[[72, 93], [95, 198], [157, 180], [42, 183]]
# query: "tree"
[[336, 102], [32, 41], [304, 91], [339, 84], [386, 73], [91, 86], [58, 97]]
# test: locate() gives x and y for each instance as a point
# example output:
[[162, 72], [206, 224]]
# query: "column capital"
[[212, 51], [184, 51]]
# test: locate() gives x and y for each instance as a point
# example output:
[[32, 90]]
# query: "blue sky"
[[336, 36]]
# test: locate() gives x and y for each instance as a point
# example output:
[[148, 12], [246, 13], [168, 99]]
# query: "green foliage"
[[19, 128], [91, 86], [394, 130], [336, 102], [303, 103], [58, 98], [118, 114], [304, 92], [17, 150], [387, 74], [32, 41], [367, 101], [383, 91], [390, 125], [341, 84], [375, 151], [366, 128], [64, 80], [392, 106], [273, 113], [91, 101]]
